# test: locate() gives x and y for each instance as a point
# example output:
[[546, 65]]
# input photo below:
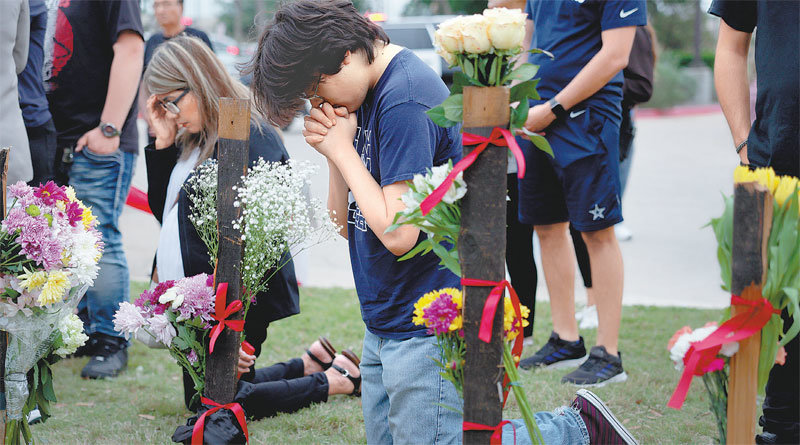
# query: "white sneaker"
[[589, 318], [527, 341], [35, 416], [582, 313], [622, 232]]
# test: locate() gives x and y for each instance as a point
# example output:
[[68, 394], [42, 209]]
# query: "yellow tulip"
[[767, 178], [743, 174], [786, 186]]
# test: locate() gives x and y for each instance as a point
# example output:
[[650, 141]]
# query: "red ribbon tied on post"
[[702, 355], [487, 318], [222, 313], [497, 431], [499, 137], [199, 426]]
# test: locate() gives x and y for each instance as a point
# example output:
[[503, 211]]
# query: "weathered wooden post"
[[4, 152], [232, 156], [752, 219], [482, 256]]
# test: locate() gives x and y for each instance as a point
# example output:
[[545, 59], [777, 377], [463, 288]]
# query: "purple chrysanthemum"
[[198, 297], [441, 313], [50, 193], [19, 190], [74, 213], [192, 357]]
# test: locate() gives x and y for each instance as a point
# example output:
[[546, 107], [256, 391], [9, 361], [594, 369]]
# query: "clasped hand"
[[330, 130]]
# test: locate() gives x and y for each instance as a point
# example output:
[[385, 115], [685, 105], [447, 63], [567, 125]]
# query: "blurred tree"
[[443, 7], [243, 18], [674, 23]]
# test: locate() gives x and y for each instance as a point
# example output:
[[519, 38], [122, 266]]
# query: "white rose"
[[506, 27], [448, 36], [168, 296], [474, 31], [421, 184], [177, 301], [448, 57]]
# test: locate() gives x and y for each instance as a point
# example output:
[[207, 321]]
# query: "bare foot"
[[309, 365], [338, 383]]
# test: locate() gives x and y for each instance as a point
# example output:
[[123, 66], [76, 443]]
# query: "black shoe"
[[602, 426], [88, 348], [600, 369], [766, 438], [109, 359], [556, 353]]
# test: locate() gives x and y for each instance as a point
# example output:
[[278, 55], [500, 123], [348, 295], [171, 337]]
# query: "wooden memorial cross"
[[752, 220], [232, 157], [4, 152], [482, 247]]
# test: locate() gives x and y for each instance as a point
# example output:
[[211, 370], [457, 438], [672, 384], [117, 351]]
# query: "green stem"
[[519, 394]]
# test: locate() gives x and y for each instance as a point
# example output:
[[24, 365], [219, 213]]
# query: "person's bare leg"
[[558, 264], [309, 365], [337, 383], [607, 282]]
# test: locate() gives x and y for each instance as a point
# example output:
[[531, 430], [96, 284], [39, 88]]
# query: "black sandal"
[[326, 345], [356, 381]]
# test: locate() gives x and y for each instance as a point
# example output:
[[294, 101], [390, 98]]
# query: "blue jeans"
[[102, 183], [400, 389], [561, 426]]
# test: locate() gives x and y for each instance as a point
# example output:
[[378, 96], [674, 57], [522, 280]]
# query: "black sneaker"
[[556, 354], [87, 350], [600, 422], [109, 359], [600, 369]]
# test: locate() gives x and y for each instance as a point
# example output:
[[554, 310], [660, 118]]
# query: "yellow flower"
[[70, 192], [787, 186], [55, 288], [511, 324], [743, 174], [767, 178], [421, 305], [87, 217], [31, 280]]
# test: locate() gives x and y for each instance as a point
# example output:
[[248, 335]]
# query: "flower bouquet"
[[485, 47], [442, 224], [277, 216], [49, 248], [441, 312], [178, 315], [782, 285]]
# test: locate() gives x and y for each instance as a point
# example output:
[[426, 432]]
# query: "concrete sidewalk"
[[681, 165]]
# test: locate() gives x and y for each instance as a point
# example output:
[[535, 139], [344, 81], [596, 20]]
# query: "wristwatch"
[[108, 129], [557, 109]]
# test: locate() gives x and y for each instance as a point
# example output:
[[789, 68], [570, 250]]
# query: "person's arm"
[[378, 205], [337, 198], [22, 41], [730, 78], [611, 59], [123, 81]]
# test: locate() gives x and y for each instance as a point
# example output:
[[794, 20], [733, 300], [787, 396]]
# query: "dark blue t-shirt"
[[571, 30], [32, 99], [774, 138], [395, 139]]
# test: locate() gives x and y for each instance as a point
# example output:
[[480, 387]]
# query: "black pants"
[[782, 401], [281, 388], [42, 142], [519, 254]]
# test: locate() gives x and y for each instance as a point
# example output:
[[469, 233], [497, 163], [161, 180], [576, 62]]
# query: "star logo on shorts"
[[597, 212]]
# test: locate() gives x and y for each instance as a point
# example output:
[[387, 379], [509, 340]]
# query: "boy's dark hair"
[[306, 39]]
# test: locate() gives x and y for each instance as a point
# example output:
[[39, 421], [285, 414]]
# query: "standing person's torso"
[[32, 98], [77, 63], [396, 140], [571, 31]]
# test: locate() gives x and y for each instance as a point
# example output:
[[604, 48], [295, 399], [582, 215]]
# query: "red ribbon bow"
[[199, 426], [487, 318], [499, 137], [497, 431], [222, 313], [702, 355]]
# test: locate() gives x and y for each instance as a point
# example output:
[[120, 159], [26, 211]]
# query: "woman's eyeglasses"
[[314, 96], [172, 106]]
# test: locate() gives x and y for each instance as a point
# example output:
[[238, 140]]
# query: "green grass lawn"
[[145, 404]]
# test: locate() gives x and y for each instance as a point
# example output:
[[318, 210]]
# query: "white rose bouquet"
[[443, 222], [485, 47]]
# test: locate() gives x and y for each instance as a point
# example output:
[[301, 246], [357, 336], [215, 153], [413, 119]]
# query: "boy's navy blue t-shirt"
[[396, 140], [571, 30]]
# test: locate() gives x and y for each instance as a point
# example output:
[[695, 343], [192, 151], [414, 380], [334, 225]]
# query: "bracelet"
[[741, 146]]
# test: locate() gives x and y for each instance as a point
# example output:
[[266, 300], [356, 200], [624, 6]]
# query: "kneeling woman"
[[185, 81]]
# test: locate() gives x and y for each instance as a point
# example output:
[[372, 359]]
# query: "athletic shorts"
[[581, 184]]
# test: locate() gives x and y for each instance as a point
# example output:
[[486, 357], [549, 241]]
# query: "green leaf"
[[423, 246], [48, 392], [793, 295], [524, 90], [525, 71], [541, 143], [520, 114], [437, 116], [467, 67], [459, 82], [541, 51], [454, 107]]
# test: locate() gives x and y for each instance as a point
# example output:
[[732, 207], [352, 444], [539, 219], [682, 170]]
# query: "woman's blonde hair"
[[186, 62]]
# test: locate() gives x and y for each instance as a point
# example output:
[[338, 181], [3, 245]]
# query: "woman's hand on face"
[[245, 361], [163, 126]]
